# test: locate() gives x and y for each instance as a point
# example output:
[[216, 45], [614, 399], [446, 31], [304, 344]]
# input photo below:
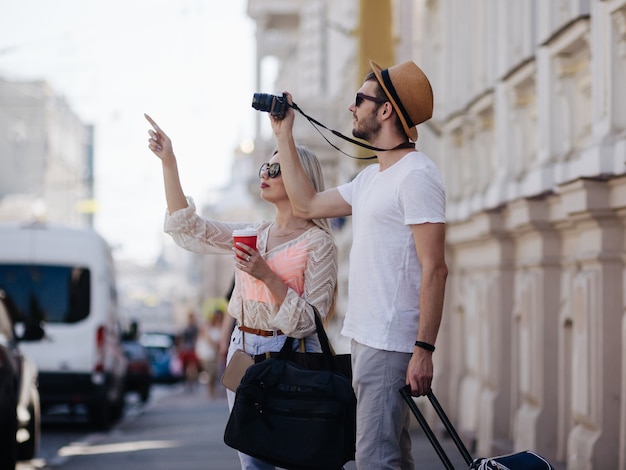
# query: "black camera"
[[275, 105]]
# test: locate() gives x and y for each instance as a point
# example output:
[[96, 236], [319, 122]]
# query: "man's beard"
[[369, 128]]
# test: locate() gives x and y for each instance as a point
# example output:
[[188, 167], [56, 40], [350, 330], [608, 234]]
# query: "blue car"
[[165, 363]]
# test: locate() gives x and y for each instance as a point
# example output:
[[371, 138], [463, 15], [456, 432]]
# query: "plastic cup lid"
[[245, 232]]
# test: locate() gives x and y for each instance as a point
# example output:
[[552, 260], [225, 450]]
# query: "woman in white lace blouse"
[[294, 266]]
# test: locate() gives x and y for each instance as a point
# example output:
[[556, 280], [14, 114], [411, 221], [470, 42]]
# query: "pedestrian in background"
[[207, 350], [293, 267], [187, 351], [397, 265]]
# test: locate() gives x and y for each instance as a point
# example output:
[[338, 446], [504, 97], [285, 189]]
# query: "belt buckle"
[[274, 333]]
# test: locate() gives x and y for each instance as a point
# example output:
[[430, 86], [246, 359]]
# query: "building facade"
[[529, 132], [46, 157]]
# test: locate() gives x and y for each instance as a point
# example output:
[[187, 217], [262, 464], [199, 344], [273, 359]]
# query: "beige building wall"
[[529, 132]]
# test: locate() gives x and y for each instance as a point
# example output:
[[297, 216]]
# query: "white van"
[[59, 283]]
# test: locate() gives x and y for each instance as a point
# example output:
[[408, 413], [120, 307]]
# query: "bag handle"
[[327, 349]]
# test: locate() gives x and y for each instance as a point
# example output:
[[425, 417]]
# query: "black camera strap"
[[315, 123]]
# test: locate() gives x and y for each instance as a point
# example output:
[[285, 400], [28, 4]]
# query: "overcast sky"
[[187, 63]]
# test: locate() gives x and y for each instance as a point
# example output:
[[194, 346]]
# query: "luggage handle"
[[406, 394]]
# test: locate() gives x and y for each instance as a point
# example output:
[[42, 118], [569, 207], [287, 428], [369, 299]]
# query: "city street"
[[177, 429]]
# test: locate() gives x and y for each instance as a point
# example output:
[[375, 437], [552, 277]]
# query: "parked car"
[[61, 282], [166, 365], [20, 412], [139, 370]]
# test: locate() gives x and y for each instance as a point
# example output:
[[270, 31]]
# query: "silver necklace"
[[290, 233]]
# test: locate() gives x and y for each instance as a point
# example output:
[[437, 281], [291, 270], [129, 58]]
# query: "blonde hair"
[[313, 169]]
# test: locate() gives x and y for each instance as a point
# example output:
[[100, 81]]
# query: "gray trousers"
[[383, 441]]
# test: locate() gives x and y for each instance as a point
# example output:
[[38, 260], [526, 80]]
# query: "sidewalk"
[[184, 430]]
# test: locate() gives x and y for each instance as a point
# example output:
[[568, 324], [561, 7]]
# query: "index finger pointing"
[[154, 124]]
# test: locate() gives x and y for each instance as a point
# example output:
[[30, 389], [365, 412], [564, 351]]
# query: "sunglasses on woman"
[[358, 99], [273, 170]]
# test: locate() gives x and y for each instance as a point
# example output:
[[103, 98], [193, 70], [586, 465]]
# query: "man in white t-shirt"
[[397, 263]]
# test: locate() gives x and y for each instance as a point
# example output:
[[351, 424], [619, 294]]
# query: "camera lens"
[[262, 102]]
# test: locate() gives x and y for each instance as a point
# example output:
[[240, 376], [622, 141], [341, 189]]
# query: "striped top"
[[307, 265]]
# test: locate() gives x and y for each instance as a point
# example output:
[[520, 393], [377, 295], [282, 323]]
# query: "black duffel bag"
[[294, 417]]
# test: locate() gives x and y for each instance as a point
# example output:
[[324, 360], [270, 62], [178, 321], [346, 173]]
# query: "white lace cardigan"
[[307, 265]]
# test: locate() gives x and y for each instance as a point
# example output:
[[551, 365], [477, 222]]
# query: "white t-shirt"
[[385, 273]]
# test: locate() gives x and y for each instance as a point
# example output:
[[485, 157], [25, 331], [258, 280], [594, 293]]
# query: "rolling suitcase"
[[525, 460]]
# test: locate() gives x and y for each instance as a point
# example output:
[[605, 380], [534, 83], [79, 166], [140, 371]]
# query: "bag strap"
[[243, 333]]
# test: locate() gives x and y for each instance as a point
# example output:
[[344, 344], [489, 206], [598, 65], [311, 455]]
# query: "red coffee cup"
[[247, 236]]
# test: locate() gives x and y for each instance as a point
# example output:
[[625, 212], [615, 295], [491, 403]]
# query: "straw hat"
[[410, 93]]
